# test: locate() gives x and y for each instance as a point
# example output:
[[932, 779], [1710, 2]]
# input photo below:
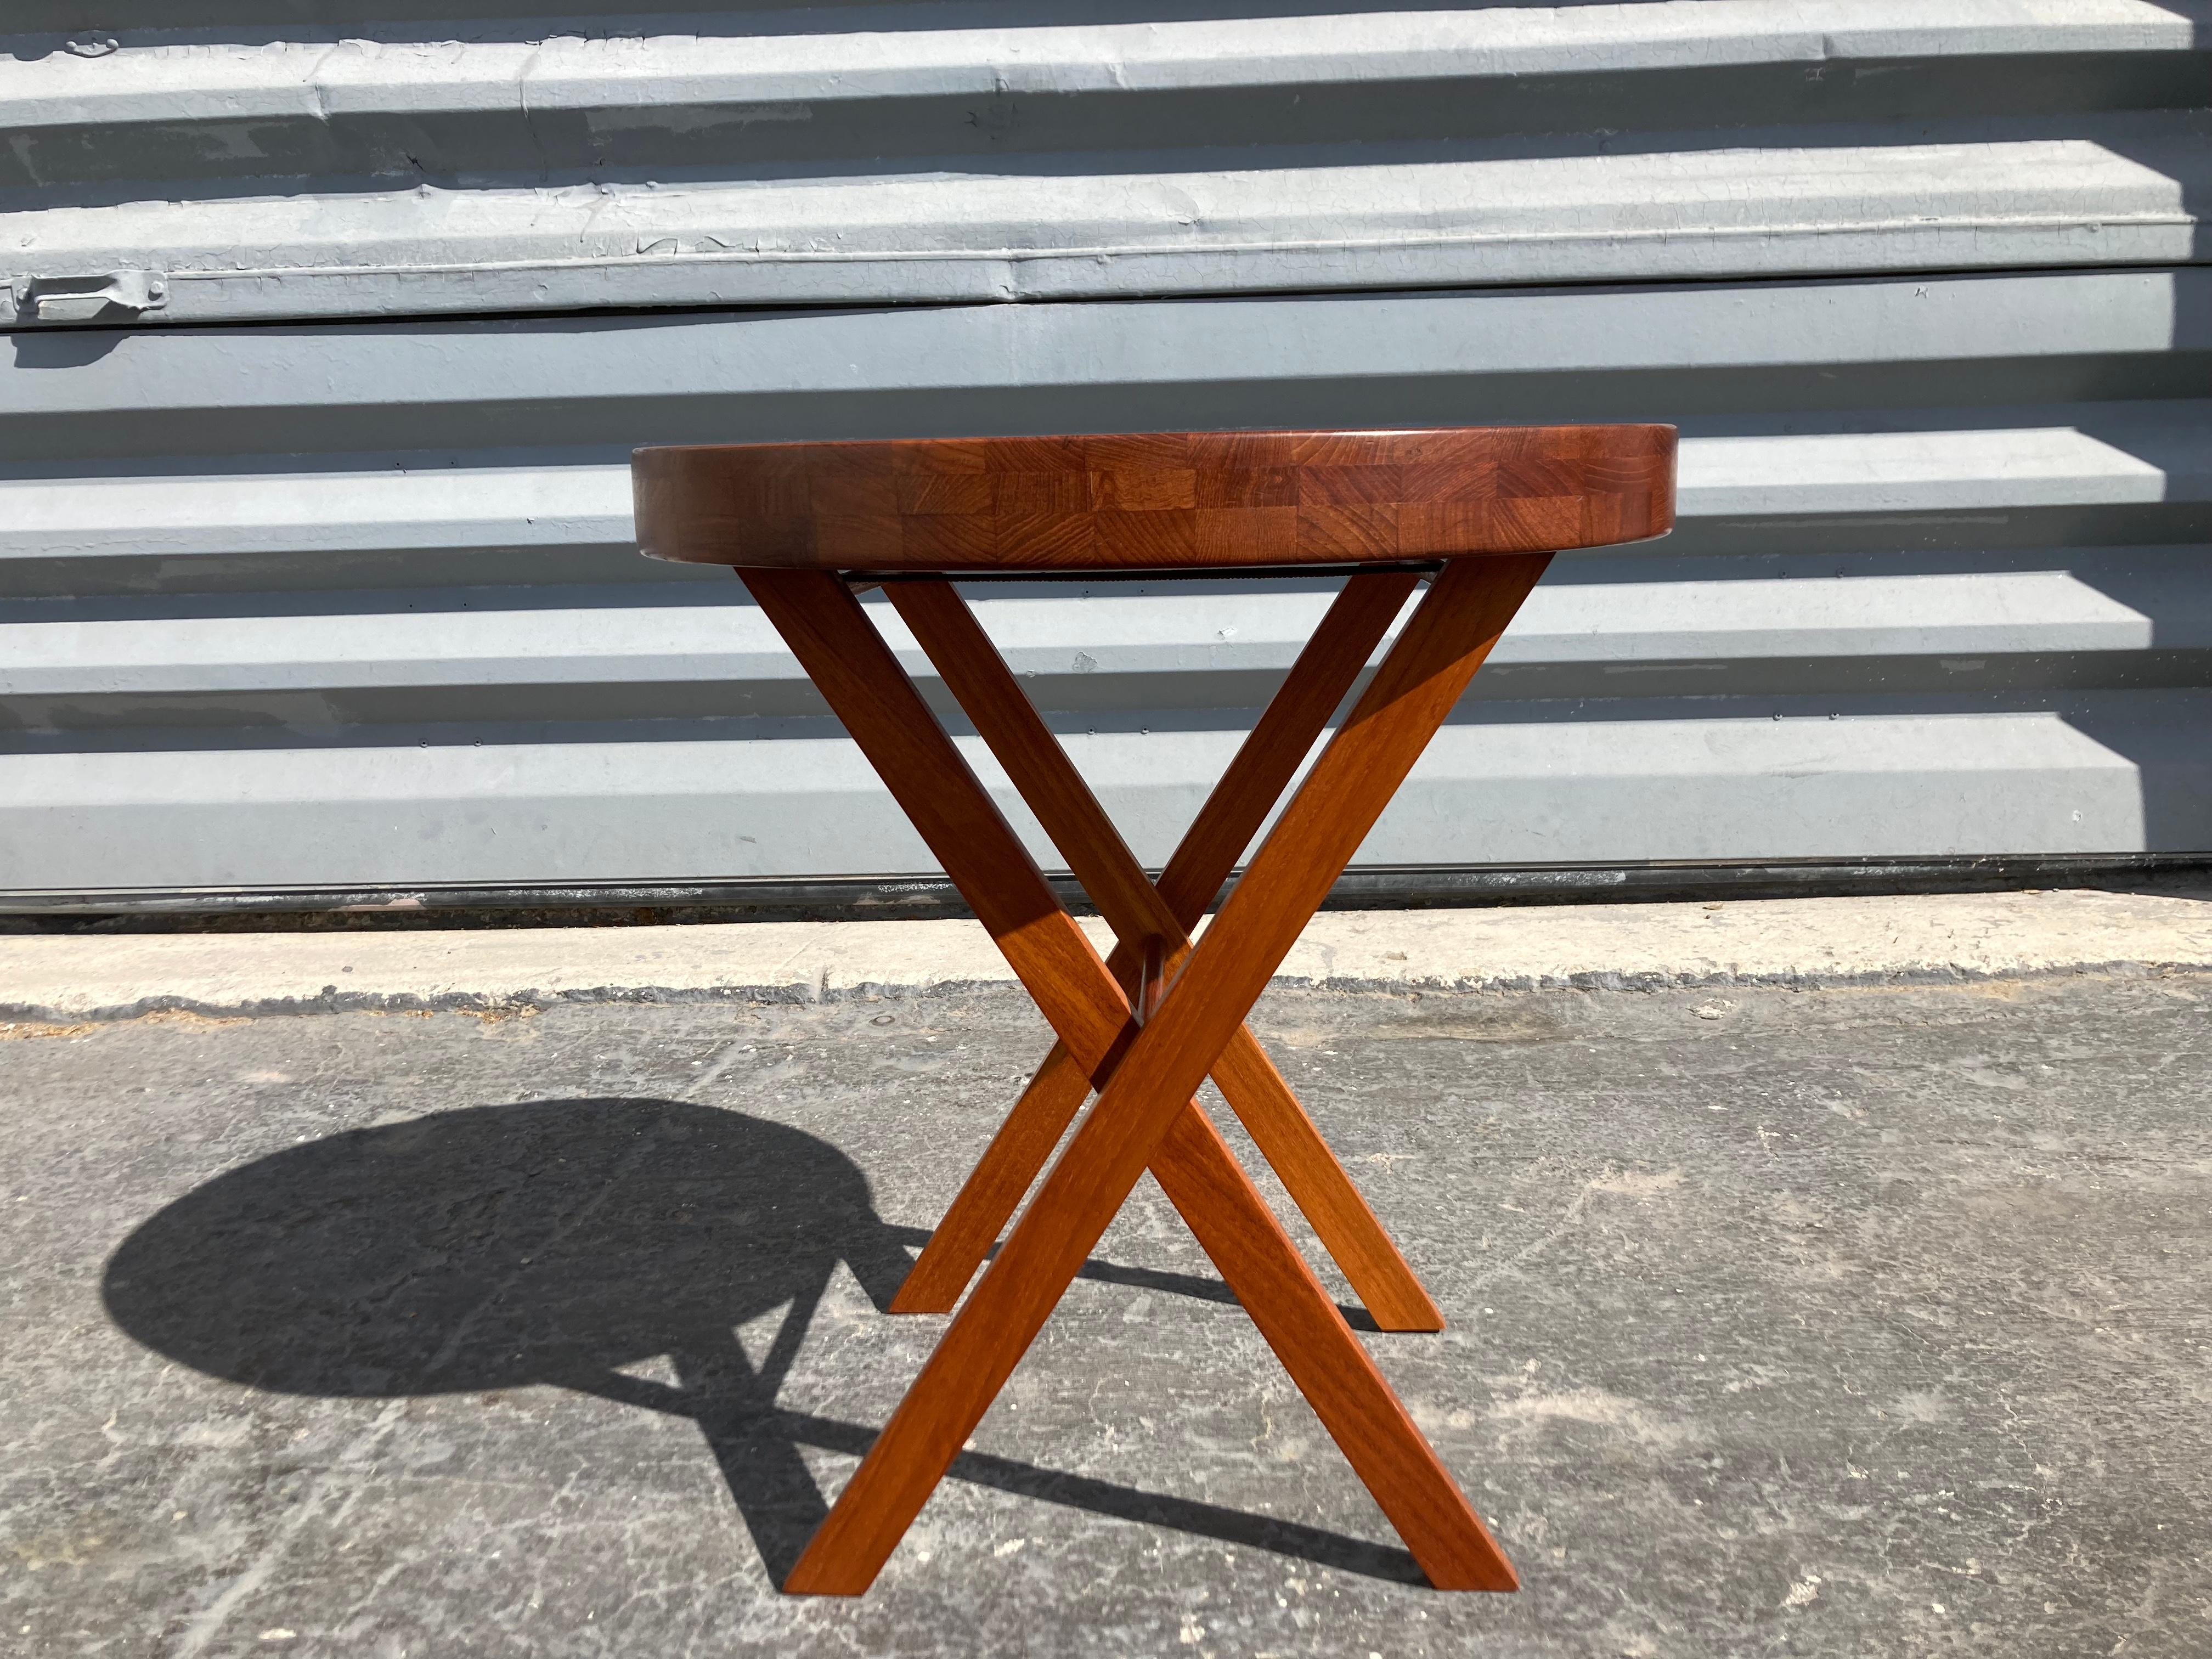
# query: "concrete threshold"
[[1806, 942]]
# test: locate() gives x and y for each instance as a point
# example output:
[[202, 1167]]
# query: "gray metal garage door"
[[329, 341]]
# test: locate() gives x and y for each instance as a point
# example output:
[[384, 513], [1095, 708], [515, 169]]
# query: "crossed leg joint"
[[1152, 923]]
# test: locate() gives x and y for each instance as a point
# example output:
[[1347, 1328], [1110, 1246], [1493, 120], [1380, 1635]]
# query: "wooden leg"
[[1147, 1074], [1214, 1196], [1320, 679], [993, 1189], [1071, 815]]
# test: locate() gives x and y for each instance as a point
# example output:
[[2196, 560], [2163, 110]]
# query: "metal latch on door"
[[82, 298]]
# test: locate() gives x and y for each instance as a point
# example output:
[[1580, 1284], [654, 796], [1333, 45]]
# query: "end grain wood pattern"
[[1155, 501]]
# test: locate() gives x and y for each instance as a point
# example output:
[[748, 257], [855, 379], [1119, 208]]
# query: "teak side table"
[[1475, 511]]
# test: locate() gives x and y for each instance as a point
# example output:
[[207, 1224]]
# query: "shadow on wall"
[[499, 1247]]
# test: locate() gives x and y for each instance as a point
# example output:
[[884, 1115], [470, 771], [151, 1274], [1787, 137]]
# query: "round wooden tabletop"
[[1155, 501]]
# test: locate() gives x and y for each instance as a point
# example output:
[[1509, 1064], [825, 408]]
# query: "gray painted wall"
[[314, 573]]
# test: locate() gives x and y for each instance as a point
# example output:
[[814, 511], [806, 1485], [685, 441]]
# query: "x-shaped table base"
[[1146, 1028], [1151, 922]]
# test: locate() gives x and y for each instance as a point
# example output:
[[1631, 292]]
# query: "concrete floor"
[[1853, 1322]]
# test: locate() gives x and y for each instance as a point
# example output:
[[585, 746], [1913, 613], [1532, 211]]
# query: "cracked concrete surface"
[[1842, 1322]]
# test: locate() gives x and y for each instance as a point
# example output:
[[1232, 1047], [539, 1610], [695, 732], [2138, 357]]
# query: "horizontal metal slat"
[[2136, 454], [321, 81], [2133, 616], [1668, 214], [1103, 634], [585, 389], [2096, 773]]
